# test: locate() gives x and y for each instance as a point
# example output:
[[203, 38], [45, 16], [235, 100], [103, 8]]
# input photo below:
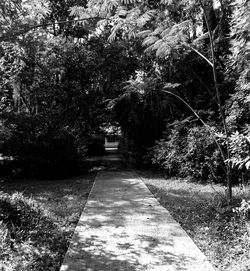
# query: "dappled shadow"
[[124, 228], [62, 200], [194, 207], [94, 254], [186, 202], [27, 230], [48, 189], [109, 161]]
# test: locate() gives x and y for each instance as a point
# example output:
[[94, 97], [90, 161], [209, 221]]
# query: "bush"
[[39, 148], [189, 151], [203, 160], [239, 147], [29, 239], [169, 152], [243, 211]]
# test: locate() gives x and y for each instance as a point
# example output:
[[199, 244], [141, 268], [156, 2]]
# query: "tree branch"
[[7, 37], [25, 102], [199, 53], [201, 120]]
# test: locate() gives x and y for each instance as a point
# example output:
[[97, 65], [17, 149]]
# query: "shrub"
[[243, 211], [239, 147], [169, 153], [203, 160], [39, 148], [189, 151]]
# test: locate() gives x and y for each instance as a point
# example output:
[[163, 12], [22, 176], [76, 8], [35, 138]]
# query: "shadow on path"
[[124, 228], [111, 161]]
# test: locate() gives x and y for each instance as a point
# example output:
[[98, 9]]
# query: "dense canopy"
[[174, 75]]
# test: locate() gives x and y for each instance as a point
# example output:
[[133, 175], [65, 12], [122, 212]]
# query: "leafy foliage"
[[54, 91], [188, 150], [243, 210], [83, 64], [239, 146], [18, 16], [239, 67], [141, 111]]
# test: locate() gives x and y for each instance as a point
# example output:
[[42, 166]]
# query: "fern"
[[164, 39]]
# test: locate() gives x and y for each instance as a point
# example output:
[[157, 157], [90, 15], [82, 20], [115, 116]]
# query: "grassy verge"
[[37, 220], [222, 235]]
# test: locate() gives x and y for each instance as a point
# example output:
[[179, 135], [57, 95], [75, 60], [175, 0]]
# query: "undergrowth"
[[29, 238]]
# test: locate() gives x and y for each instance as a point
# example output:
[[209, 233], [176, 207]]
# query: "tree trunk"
[[221, 110]]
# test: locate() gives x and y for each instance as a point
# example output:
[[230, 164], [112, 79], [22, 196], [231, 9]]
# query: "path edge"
[[88, 197], [206, 259]]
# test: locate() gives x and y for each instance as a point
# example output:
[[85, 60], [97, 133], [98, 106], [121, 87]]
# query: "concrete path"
[[124, 228]]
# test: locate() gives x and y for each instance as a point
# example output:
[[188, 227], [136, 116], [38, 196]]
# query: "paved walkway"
[[124, 228]]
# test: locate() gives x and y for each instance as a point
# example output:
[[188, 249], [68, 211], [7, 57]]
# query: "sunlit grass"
[[202, 211]]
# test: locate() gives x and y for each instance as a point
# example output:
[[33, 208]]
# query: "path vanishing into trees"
[[124, 228]]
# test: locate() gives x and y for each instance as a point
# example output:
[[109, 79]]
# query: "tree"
[[171, 35], [87, 62], [55, 85]]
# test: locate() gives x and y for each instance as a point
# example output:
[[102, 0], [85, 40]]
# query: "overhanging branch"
[[201, 120], [27, 28], [199, 53]]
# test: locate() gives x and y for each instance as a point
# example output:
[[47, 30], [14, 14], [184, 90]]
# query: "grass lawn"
[[222, 235], [48, 212]]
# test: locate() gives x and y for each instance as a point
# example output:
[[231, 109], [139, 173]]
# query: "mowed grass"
[[39, 219], [222, 235]]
